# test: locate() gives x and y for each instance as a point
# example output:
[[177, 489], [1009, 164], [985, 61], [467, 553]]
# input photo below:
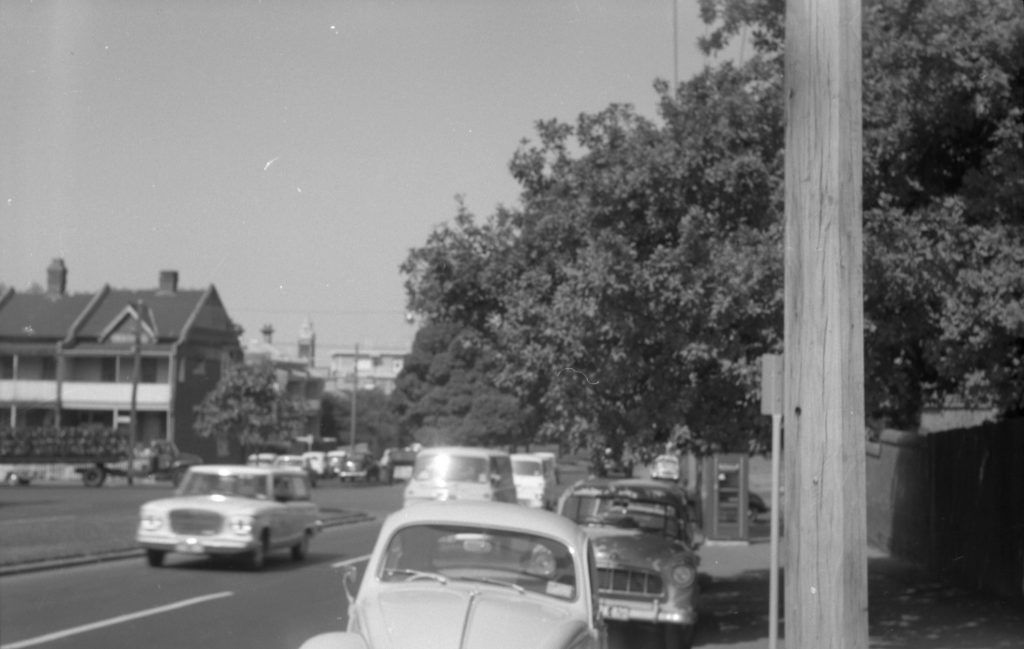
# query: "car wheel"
[[155, 558], [257, 557], [93, 477], [301, 549], [12, 478], [678, 636]]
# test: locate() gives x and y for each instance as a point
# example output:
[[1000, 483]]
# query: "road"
[[190, 602]]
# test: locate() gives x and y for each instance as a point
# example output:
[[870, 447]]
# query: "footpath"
[[907, 609]]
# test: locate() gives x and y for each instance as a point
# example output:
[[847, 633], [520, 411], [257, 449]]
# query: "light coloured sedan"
[[473, 574], [232, 510], [646, 552]]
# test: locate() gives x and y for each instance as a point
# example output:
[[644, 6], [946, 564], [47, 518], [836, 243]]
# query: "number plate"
[[617, 613], [190, 547]]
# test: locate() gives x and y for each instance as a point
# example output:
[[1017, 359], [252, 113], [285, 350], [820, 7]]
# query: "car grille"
[[196, 521], [622, 581]]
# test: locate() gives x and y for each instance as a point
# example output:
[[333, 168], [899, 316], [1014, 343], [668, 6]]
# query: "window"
[[48, 368], [6, 366], [148, 370], [108, 370]]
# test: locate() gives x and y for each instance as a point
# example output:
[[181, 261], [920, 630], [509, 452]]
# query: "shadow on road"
[[907, 609]]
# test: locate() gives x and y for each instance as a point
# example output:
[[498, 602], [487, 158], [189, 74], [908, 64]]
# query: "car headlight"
[[151, 523], [683, 575], [240, 525]]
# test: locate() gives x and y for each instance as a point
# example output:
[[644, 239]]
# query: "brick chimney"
[[56, 277], [168, 281]]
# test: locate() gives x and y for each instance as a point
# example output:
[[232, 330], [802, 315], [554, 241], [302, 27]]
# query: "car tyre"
[[93, 477], [301, 549], [257, 557], [678, 636], [155, 558]]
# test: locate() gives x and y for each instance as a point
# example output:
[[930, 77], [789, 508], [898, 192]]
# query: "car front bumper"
[[186, 544], [625, 610]]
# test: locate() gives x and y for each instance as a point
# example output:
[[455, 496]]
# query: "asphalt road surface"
[[190, 602]]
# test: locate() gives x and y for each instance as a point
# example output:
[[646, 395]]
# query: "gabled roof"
[[168, 313], [39, 317]]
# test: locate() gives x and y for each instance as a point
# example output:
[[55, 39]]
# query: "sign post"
[[772, 379]]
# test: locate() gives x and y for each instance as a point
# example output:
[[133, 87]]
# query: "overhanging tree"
[[247, 410]]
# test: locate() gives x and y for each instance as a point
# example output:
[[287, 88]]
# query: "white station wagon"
[[232, 510]]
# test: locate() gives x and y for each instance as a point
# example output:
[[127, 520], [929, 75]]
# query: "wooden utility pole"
[[826, 530]]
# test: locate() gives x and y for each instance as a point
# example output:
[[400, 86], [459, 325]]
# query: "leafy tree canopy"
[[635, 288], [445, 393], [247, 408]]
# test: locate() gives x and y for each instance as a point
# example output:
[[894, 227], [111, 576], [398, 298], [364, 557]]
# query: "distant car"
[[260, 459], [318, 462], [396, 464], [461, 473], [646, 551], [300, 462], [358, 466], [666, 467], [756, 506], [473, 574], [534, 477], [233, 510]]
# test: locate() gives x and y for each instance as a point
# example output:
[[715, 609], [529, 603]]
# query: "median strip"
[[57, 635]]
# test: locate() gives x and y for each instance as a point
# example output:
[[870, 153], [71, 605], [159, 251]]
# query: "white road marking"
[[57, 635], [340, 564]]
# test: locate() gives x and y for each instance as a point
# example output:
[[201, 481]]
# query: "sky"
[[291, 153]]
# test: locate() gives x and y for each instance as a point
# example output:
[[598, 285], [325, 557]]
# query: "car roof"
[[224, 469], [462, 450], [496, 515], [527, 456], [645, 489]]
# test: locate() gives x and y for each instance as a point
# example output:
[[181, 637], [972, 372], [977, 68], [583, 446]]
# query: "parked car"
[[473, 574], [318, 462], [232, 510], [358, 466], [260, 459], [461, 473], [396, 464], [534, 477], [300, 462], [666, 467], [756, 506], [646, 551]]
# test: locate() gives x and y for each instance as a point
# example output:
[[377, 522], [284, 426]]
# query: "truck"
[[94, 453]]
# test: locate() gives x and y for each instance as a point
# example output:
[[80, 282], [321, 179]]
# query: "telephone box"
[[726, 497]]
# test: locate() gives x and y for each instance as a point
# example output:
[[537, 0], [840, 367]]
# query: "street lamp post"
[[355, 388], [133, 432]]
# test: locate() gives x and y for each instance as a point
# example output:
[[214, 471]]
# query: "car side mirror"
[[350, 582], [697, 537]]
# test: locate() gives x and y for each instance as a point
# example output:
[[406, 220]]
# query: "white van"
[[461, 473], [534, 476]]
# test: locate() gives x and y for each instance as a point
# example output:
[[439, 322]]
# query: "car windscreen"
[[515, 559], [613, 511], [232, 484], [451, 468], [527, 467]]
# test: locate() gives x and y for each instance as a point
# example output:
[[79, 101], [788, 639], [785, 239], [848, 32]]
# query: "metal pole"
[[133, 433], [355, 388], [773, 596]]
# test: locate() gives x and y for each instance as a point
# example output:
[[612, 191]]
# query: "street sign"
[[771, 384]]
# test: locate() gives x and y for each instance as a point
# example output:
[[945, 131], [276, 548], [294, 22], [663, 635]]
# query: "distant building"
[[295, 375], [69, 360], [371, 368]]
